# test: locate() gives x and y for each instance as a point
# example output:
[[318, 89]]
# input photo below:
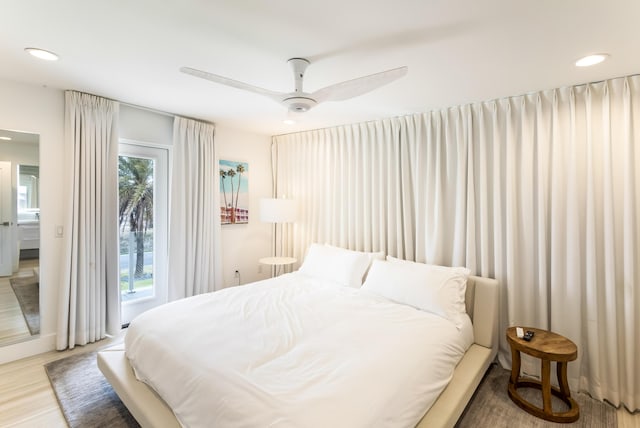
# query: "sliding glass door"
[[142, 185]]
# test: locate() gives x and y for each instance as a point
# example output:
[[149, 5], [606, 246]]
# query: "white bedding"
[[295, 352]]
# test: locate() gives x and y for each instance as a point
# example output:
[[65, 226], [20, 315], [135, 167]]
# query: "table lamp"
[[277, 211]]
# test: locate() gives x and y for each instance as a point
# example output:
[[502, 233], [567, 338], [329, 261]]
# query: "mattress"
[[295, 351]]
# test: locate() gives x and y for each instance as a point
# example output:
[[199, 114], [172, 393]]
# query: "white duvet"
[[295, 352]]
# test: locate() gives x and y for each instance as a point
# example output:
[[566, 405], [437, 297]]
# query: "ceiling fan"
[[299, 101]]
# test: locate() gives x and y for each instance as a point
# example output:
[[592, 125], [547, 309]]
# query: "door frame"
[[7, 237]]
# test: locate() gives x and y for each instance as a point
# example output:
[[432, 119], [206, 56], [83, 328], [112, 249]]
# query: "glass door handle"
[[6, 223]]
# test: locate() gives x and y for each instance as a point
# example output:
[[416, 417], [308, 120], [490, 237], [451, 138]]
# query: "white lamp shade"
[[277, 210]]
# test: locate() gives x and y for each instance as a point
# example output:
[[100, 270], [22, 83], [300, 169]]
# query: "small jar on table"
[[548, 347]]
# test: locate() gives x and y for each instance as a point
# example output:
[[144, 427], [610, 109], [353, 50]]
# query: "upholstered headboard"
[[482, 307]]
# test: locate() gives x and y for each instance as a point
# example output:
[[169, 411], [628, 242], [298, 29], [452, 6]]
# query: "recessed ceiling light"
[[5, 138], [42, 54], [591, 60], [289, 122]]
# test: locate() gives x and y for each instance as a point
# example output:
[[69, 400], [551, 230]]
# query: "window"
[[143, 212]]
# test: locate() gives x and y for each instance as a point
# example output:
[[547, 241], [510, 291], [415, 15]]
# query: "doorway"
[[143, 211]]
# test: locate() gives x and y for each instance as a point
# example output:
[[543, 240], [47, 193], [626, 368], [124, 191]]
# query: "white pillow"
[[335, 264], [436, 289], [372, 256], [457, 280], [378, 255]]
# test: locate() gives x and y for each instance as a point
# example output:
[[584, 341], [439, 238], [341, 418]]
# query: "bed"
[[481, 302]]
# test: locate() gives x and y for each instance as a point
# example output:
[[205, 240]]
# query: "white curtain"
[[89, 305], [194, 224], [539, 191]]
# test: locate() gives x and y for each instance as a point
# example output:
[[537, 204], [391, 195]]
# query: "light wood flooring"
[[13, 327]]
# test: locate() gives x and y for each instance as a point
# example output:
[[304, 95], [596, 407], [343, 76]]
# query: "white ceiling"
[[457, 51]]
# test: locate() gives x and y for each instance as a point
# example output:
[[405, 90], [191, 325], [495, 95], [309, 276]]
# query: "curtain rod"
[[149, 109]]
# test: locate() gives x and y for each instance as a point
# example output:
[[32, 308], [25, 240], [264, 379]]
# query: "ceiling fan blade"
[[362, 85], [275, 96]]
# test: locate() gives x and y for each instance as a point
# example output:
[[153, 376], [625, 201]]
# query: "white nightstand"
[[276, 262]]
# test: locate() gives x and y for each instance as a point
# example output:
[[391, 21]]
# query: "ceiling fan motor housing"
[[299, 104]]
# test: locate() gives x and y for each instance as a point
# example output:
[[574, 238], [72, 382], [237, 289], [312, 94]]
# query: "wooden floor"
[[13, 327], [27, 399]]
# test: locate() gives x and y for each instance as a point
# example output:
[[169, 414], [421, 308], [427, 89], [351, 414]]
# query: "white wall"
[[40, 111], [19, 152], [244, 244]]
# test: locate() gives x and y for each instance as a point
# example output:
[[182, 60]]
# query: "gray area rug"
[[27, 291], [492, 407], [86, 398]]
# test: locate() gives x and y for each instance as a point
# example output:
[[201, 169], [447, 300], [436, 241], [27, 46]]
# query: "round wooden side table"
[[548, 347]]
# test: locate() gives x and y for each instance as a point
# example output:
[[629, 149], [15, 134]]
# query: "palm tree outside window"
[[136, 206]]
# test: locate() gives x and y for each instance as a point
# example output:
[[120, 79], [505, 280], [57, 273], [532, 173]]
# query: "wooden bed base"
[[482, 306]]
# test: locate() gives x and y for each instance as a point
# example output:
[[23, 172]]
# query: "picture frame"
[[234, 192]]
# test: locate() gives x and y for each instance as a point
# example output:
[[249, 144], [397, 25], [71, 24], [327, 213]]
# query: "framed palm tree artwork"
[[234, 195]]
